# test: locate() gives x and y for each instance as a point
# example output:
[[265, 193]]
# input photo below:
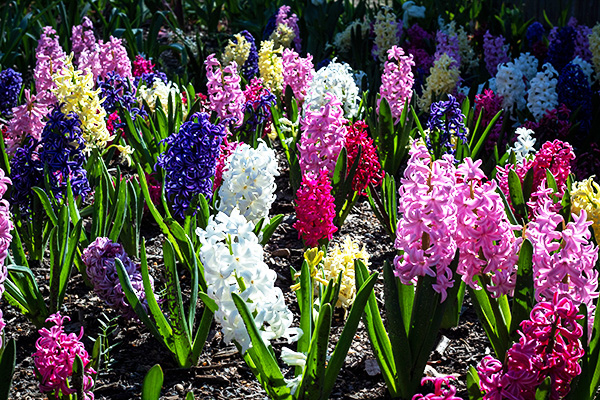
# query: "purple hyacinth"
[[562, 48], [447, 119], [250, 67], [574, 92], [535, 33], [99, 258], [10, 86], [190, 160], [118, 91]]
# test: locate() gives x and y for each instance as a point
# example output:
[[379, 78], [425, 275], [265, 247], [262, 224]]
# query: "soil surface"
[[221, 372]]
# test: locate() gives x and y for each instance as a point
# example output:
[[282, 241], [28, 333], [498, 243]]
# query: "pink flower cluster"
[[224, 90], [489, 103], [494, 52], [549, 346], [54, 358], [449, 45], [28, 119], [323, 136], [443, 390], [142, 66], [298, 73], [291, 20], [368, 169], [315, 209], [227, 148], [6, 226], [50, 58], [397, 81]]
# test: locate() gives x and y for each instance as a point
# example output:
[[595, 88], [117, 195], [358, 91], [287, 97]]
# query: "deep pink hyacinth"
[[224, 90], [443, 389], [226, 149], [54, 358], [368, 170], [28, 119], [489, 103], [298, 73], [315, 209], [494, 52], [397, 81], [549, 346], [142, 66], [6, 227]]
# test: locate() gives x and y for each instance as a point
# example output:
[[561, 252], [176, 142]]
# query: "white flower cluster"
[[337, 79], [162, 91], [510, 85], [249, 182], [542, 95], [343, 40], [528, 65], [586, 67], [523, 147], [233, 263]]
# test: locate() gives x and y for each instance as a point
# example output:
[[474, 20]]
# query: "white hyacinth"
[[338, 79], [510, 85], [542, 95], [233, 263], [586, 67], [249, 182], [528, 65], [523, 147]]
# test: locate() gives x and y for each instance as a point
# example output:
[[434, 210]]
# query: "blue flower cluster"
[[535, 33], [446, 119], [118, 91], [190, 161], [56, 158], [258, 112], [148, 78], [562, 48], [574, 92], [250, 67], [10, 86]]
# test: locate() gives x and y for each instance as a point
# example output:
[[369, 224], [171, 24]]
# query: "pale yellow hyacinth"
[[282, 36], [442, 80], [236, 52], [74, 89], [594, 39], [270, 66], [161, 91], [385, 28], [585, 195]]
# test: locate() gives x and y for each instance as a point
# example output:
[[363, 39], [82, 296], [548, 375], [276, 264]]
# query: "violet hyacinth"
[[535, 33], [397, 81], [190, 161], [54, 358], [119, 91], [10, 86], [250, 67], [258, 107], [99, 258], [494, 52], [445, 121]]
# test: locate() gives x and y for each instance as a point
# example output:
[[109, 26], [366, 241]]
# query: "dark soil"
[[221, 372]]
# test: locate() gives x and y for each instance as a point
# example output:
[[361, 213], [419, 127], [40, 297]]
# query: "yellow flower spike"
[[313, 257], [585, 195], [270, 66]]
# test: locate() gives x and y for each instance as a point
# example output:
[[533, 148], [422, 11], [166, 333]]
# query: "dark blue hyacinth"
[[190, 161], [535, 33], [250, 67], [118, 91], [147, 78], [10, 86], [562, 48], [258, 112], [445, 120], [574, 92], [53, 160]]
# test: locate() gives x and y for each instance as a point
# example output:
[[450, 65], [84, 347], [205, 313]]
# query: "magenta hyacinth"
[[397, 81], [298, 73], [443, 389], [224, 90], [6, 227], [54, 358]]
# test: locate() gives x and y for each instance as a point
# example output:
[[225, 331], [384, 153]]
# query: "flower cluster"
[[298, 73], [594, 39], [315, 209], [227, 148], [6, 227], [283, 28], [562, 48], [447, 44], [368, 170], [237, 51], [585, 195], [443, 389], [224, 90], [444, 79], [343, 40], [511, 86], [10, 86], [54, 359], [158, 92], [257, 107], [397, 81], [582, 43], [28, 120], [418, 39], [549, 346], [523, 146], [50, 58], [387, 31], [555, 124], [542, 95], [574, 92], [99, 258], [141, 66], [337, 79], [494, 52], [249, 182], [190, 159], [118, 91], [270, 66], [446, 120], [527, 64], [489, 103], [233, 263], [535, 33]]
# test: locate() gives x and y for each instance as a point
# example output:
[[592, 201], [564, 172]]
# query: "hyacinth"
[[54, 359], [231, 254], [523, 146], [190, 159], [237, 51], [337, 79], [75, 91], [447, 119], [10, 87], [443, 389], [582, 43], [58, 156], [224, 90], [387, 30], [285, 28], [549, 346], [282, 36], [28, 120], [141, 66], [340, 259], [443, 79], [528, 65], [426, 220], [159, 93], [586, 67], [484, 236], [574, 92], [6, 227], [270, 66], [368, 170], [510, 85], [118, 91], [315, 209], [298, 73], [50, 58], [535, 33], [446, 44], [343, 40], [227, 149], [562, 48], [257, 107], [489, 103], [249, 182], [418, 38], [397, 81], [468, 58], [585, 195], [99, 258], [594, 39], [106, 57], [494, 52], [542, 95], [323, 136], [82, 39]]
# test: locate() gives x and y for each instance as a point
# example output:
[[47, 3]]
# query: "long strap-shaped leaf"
[[8, 357], [313, 379]]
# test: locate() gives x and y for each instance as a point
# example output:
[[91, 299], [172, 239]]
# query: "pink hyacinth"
[[494, 52], [226, 149], [54, 358], [427, 220], [443, 390], [446, 44], [50, 57], [82, 39], [28, 119], [315, 209], [6, 227], [102, 58], [485, 238], [298, 73], [292, 22], [549, 346], [224, 91], [489, 103], [323, 136], [397, 81], [368, 170], [142, 66]]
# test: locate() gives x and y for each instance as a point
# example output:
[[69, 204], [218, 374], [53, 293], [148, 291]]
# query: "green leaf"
[[516, 193], [77, 378], [543, 391], [313, 379], [45, 200], [475, 151], [269, 229], [8, 359], [305, 302], [201, 334], [153, 382], [473, 384]]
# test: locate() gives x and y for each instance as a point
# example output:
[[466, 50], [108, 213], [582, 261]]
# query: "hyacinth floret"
[[298, 73], [397, 81], [54, 359], [190, 159], [446, 118], [10, 87], [443, 389], [99, 258]]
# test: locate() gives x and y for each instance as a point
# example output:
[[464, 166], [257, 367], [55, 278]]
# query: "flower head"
[[10, 86], [397, 81], [443, 389], [368, 170], [387, 29], [224, 90], [298, 73], [446, 120], [494, 52], [270, 66]]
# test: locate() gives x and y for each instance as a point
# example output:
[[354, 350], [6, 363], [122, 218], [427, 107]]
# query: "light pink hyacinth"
[[50, 57], [397, 81], [298, 73], [28, 119], [224, 90], [6, 227]]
